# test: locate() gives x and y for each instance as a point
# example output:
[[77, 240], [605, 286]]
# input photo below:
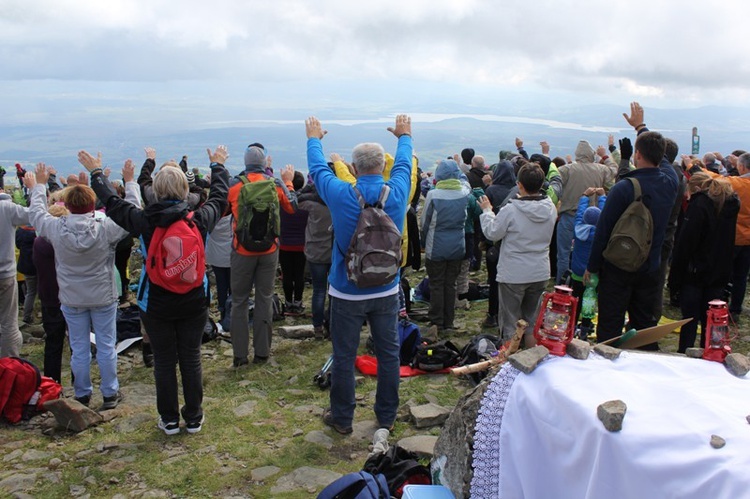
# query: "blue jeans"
[[80, 322], [319, 274], [565, 226], [347, 318]]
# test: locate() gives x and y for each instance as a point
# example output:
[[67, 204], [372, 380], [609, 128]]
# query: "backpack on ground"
[[176, 259], [258, 223], [436, 356], [479, 348], [359, 485], [374, 255], [226, 322], [210, 331], [400, 467], [19, 381], [128, 323], [630, 242], [409, 338]]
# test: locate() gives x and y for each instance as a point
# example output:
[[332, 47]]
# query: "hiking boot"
[[320, 333], [328, 420], [85, 400], [259, 360], [195, 426], [239, 362], [171, 428], [490, 321], [299, 306], [148, 354], [111, 402]]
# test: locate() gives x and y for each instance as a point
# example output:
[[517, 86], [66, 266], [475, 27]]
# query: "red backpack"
[[176, 259], [19, 381]]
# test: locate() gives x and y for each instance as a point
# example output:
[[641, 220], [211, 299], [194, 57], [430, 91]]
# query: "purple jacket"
[[292, 237]]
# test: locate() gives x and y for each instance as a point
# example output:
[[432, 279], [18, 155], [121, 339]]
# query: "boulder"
[[717, 442], [72, 415], [611, 414], [296, 332], [579, 349], [527, 360], [428, 415], [737, 364]]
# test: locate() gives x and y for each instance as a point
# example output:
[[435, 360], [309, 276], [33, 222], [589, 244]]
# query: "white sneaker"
[[171, 428], [196, 426]]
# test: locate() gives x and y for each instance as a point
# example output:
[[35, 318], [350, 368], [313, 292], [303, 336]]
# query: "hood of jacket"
[[533, 207], [504, 175], [584, 152], [165, 213]]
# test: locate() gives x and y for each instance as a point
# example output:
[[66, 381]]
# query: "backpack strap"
[[360, 199], [636, 189], [384, 193]]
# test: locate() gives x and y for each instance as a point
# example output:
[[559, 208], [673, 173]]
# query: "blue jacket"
[[659, 188], [584, 237], [443, 220], [342, 201]]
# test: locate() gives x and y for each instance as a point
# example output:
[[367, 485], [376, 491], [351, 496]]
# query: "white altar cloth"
[[538, 435]]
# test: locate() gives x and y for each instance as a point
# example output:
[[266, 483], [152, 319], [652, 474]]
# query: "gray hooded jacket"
[[84, 250], [525, 226], [584, 173]]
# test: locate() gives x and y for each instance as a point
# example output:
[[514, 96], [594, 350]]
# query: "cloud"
[[659, 50]]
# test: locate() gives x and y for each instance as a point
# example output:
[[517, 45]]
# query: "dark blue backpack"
[[410, 338], [360, 485]]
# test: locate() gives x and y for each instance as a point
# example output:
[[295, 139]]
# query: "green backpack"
[[258, 224], [630, 242]]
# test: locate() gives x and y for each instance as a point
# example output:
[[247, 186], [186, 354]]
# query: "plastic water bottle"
[[588, 304]]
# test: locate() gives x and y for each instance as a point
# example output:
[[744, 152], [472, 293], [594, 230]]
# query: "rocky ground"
[[263, 435]]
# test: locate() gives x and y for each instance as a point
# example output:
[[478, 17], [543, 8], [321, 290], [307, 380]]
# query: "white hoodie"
[[525, 226]]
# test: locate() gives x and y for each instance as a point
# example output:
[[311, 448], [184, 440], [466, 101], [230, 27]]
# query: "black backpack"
[[479, 348], [436, 356], [400, 467]]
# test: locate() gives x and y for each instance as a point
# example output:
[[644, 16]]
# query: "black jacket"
[[151, 298], [704, 248]]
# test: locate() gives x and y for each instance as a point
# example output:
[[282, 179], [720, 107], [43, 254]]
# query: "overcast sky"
[[670, 52]]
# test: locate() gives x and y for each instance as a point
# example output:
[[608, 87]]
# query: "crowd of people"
[[530, 219]]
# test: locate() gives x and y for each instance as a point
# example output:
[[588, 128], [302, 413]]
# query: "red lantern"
[[555, 324], [716, 336]]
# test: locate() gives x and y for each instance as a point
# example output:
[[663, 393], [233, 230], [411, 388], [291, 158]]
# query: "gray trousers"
[[519, 301], [260, 272], [10, 337]]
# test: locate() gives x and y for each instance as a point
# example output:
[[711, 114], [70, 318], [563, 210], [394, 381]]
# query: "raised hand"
[[41, 173], [83, 177], [636, 115], [220, 155], [150, 153], [314, 129], [128, 171], [626, 148], [336, 158], [601, 151], [29, 180], [403, 126], [519, 142], [611, 140], [484, 203], [107, 171], [88, 161], [545, 147], [287, 174]]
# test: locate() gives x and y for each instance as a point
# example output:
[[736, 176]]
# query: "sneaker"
[[171, 428], [85, 400], [195, 426], [299, 306], [239, 362], [111, 402], [328, 420]]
